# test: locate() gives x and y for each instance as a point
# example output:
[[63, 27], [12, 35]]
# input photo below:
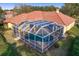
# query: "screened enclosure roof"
[[40, 23], [40, 28]]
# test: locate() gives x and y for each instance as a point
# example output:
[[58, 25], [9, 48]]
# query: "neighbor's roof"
[[10, 12], [59, 18]]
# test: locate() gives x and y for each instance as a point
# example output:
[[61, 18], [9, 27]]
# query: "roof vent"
[[57, 10]]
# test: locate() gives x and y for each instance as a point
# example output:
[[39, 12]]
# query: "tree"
[[22, 9], [25, 8], [1, 10], [1, 15], [74, 49], [71, 9]]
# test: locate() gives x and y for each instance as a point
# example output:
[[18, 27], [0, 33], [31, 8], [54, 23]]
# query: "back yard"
[[68, 46], [8, 46], [7, 49]]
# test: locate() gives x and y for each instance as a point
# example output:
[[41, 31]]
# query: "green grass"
[[10, 51], [74, 31]]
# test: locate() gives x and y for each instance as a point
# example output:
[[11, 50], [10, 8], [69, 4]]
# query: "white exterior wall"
[[9, 16], [66, 28], [10, 25]]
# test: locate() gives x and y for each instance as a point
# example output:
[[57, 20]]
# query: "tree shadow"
[[11, 50], [29, 51], [72, 50], [4, 39]]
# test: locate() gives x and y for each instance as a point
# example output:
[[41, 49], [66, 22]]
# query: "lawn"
[[74, 31]]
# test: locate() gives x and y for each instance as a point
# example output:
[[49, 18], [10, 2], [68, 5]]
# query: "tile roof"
[[59, 18], [10, 12]]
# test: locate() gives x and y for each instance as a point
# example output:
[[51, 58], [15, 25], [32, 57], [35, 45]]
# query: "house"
[[9, 14], [66, 21], [40, 29]]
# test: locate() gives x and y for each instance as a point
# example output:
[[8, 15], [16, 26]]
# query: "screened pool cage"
[[40, 35]]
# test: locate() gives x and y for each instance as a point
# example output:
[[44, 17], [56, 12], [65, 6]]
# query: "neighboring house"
[[56, 16], [9, 14]]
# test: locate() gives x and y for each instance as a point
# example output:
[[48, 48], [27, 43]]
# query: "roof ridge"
[[60, 18]]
